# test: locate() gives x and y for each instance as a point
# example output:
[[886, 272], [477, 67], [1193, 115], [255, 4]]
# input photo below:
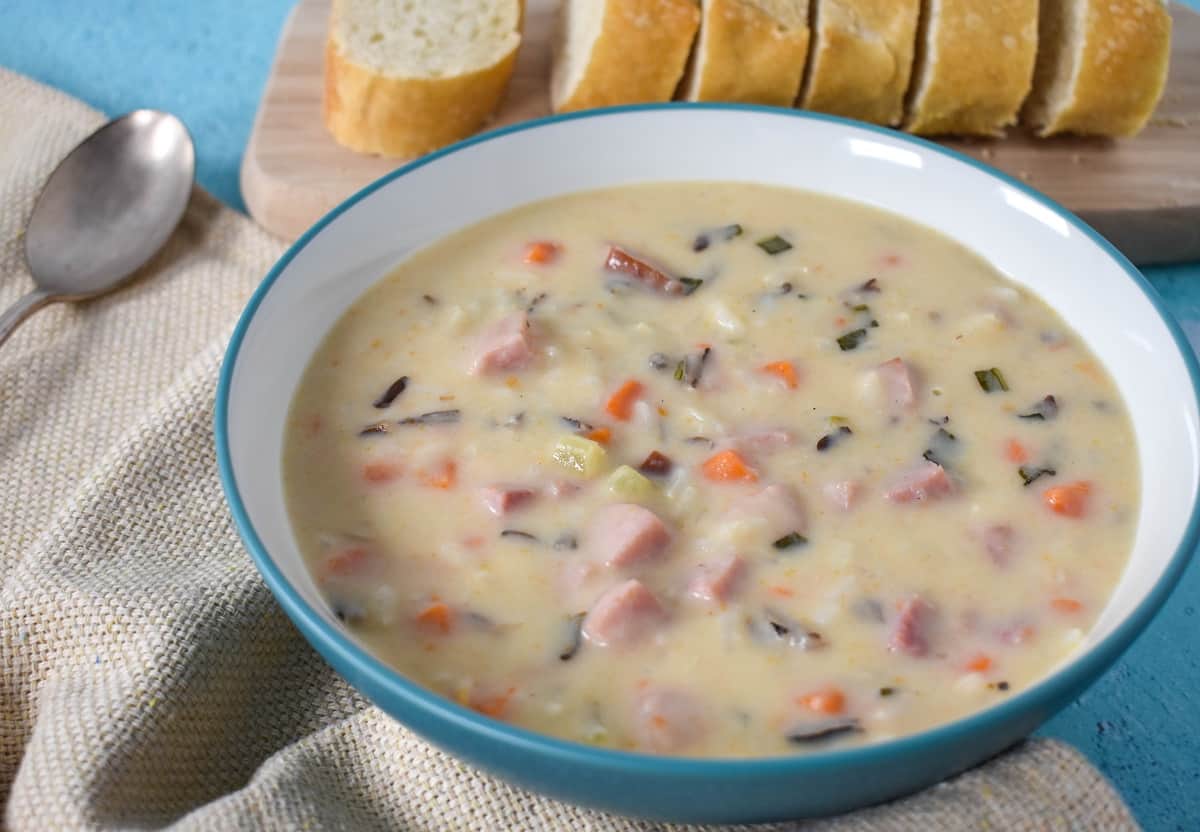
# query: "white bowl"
[[1028, 238]]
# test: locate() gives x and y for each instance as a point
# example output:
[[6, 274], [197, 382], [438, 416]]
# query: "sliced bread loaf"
[[974, 66], [404, 78], [749, 50], [1101, 67], [861, 58], [620, 51]]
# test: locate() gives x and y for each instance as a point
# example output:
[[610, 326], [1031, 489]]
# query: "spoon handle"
[[22, 309]]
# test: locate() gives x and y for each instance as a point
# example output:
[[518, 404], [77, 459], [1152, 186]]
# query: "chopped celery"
[[628, 484], [580, 455]]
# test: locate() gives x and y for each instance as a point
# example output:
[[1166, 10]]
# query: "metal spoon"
[[106, 209]]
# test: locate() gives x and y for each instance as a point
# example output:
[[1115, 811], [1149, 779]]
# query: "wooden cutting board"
[[1142, 193]]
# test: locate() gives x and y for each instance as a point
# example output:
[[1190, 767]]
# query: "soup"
[[710, 469]]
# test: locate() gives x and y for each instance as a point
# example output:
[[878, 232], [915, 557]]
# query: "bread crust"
[[985, 54], [407, 117], [862, 58], [639, 55], [749, 56], [1121, 76]]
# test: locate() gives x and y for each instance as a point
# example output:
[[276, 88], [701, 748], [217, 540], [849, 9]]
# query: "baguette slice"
[[749, 50], [1101, 67], [402, 79], [974, 66], [861, 58], [620, 51]]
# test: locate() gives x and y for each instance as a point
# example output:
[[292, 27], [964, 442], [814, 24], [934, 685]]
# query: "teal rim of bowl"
[[1037, 697]]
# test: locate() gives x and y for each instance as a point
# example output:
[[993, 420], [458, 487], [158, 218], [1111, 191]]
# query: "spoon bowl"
[[107, 208]]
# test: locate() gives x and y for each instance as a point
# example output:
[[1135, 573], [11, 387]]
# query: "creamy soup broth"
[[710, 469]]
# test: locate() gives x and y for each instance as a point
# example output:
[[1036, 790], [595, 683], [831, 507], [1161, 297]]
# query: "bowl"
[[1027, 237]]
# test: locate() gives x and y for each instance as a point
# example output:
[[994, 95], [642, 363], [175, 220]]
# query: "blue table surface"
[[208, 62]]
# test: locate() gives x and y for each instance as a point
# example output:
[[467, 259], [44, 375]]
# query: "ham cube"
[[624, 615], [998, 542], [626, 534], [925, 481], [899, 383], [503, 499], [504, 346], [776, 506], [910, 633], [842, 495], [717, 581], [762, 443], [667, 720]]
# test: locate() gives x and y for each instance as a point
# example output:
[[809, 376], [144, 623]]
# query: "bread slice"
[[405, 78], [1101, 67], [749, 50], [974, 66], [861, 58], [620, 51]]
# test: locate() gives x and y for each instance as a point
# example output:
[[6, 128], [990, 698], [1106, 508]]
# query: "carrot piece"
[[979, 663], [784, 370], [1067, 605], [601, 435], [379, 472], [436, 617], [541, 253], [1069, 500], [781, 591], [347, 561], [493, 706], [828, 701], [620, 404], [443, 477], [728, 466], [1014, 451]]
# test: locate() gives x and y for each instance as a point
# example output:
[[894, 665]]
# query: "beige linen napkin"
[[149, 678]]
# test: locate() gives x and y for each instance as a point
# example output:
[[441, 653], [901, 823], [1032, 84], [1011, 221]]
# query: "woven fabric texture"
[[148, 677]]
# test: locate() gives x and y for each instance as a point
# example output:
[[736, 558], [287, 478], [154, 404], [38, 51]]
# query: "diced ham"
[[717, 581], [925, 481], [502, 499], [623, 615], [776, 506], [998, 542], [762, 442], [899, 384], [667, 720], [504, 346], [910, 633], [842, 494], [626, 534]]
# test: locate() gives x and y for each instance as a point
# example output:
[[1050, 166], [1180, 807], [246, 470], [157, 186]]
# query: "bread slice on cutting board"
[[749, 50], [1101, 67], [620, 51], [404, 77], [974, 66], [861, 58]]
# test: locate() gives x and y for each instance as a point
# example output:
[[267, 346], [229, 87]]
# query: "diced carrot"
[[1067, 605], [620, 404], [1014, 451], [541, 253], [601, 435], [512, 382], [444, 476], [728, 466], [784, 370], [1069, 500], [347, 561], [828, 701], [781, 591], [436, 617], [380, 472], [979, 663], [493, 706]]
